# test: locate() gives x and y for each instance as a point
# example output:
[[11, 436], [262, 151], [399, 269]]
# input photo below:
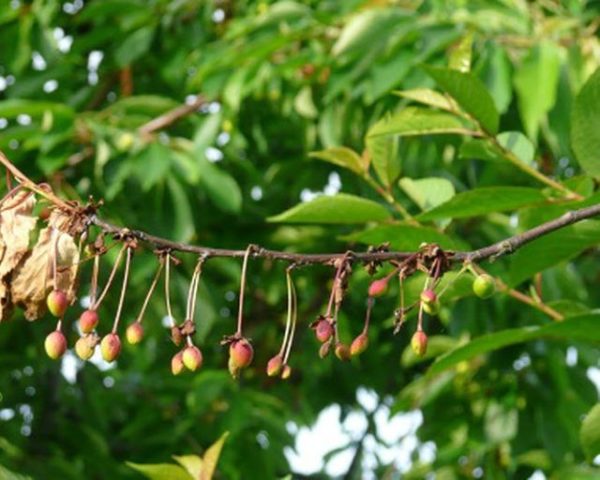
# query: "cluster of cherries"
[[241, 351]]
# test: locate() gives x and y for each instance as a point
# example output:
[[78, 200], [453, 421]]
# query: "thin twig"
[[171, 116]]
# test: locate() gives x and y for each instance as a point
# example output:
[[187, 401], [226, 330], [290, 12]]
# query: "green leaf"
[[427, 96], [585, 125], [221, 187], [383, 151], [361, 30], [470, 93], [183, 228], [590, 433], [192, 463], [535, 83], [518, 144], [551, 249], [304, 104], [13, 107], [481, 201], [476, 148], [460, 57], [211, 458], [152, 164], [582, 328], [412, 121], [6, 474], [161, 471], [340, 208], [134, 46], [344, 157], [404, 237], [428, 193]]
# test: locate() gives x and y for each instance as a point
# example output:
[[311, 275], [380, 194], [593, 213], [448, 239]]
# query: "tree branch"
[[498, 249], [495, 250], [171, 116]]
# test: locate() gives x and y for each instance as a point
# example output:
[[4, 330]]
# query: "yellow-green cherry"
[[484, 286]]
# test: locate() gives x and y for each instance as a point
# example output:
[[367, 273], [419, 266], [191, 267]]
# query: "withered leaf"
[[32, 280], [16, 225]]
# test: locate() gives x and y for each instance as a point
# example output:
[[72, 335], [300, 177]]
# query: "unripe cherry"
[[192, 358], [324, 350], [234, 370], [419, 343], [428, 296], [378, 287], [134, 333], [177, 365], [484, 286], [342, 351], [57, 303], [55, 345], [286, 371], [84, 347], [88, 321], [241, 353], [359, 344], [110, 347], [323, 330], [430, 302], [274, 366]]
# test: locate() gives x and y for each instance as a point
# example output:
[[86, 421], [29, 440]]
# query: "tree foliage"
[[315, 126]]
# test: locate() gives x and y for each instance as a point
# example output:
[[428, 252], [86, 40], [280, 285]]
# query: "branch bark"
[[498, 249]]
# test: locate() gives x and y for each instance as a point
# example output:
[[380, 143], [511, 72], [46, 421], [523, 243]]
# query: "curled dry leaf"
[[32, 280], [16, 225]]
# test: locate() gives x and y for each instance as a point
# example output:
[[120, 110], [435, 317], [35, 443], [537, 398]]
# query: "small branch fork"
[[496, 250]]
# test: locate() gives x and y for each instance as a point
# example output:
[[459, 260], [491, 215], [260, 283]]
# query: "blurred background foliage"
[[283, 79]]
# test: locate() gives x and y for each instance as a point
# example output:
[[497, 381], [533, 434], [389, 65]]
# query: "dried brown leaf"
[[32, 279], [16, 225]]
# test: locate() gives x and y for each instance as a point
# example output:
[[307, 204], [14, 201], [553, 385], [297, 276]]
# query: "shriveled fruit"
[[342, 351], [378, 287], [134, 333], [192, 358], [359, 344], [88, 320], [57, 303], [177, 365], [323, 330], [286, 371], [55, 345], [110, 347], [84, 347], [430, 302], [241, 353], [419, 343], [274, 366]]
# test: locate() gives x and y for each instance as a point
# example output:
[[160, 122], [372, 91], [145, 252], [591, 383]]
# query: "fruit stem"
[[242, 289], [336, 279], [167, 289], [288, 320], [193, 291], [293, 305], [463, 269], [123, 290], [94, 286], [370, 302], [110, 279], [150, 291]]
